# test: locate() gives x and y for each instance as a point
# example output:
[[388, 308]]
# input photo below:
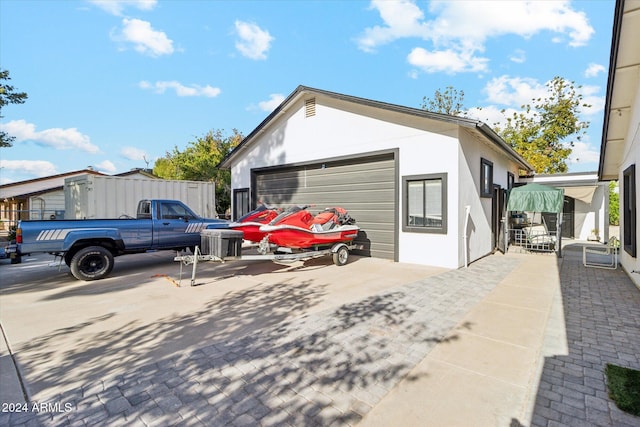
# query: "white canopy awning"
[[583, 193]]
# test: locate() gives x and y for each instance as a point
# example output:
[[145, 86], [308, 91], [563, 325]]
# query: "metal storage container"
[[97, 196], [221, 243]]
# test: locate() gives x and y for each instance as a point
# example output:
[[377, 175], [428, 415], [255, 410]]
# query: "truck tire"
[[91, 263]]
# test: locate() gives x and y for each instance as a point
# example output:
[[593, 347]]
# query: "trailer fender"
[[340, 254]]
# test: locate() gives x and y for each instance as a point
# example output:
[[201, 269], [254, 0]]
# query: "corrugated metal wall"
[[93, 197], [366, 187]]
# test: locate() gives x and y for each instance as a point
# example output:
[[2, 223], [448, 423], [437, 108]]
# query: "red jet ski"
[[297, 228], [251, 222]]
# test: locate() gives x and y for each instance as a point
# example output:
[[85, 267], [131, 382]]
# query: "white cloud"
[[254, 42], [590, 96], [518, 91], [132, 153], [38, 168], [460, 29], [180, 89], [518, 56], [447, 61], [116, 7], [60, 139], [275, 99], [474, 21], [401, 19], [106, 166], [491, 115], [593, 70], [144, 38], [514, 91], [582, 152]]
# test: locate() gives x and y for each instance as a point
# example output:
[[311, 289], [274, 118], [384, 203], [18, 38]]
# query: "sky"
[[116, 84]]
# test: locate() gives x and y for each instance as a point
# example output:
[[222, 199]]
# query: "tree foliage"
[[199, 161], [614, 203], [451, 102], [541, 132], [8, 95]]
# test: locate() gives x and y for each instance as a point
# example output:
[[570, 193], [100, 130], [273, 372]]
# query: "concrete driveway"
[[512, 340], [65, 334]]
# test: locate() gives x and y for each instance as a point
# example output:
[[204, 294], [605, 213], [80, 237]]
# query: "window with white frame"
[[425, 203]]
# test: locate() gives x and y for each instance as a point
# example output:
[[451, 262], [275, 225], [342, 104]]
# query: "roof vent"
[[310, 107]]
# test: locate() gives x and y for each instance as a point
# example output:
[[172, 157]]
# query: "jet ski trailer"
[[223, 245]]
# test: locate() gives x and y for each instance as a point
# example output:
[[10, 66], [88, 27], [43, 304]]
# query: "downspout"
[[467, 212]]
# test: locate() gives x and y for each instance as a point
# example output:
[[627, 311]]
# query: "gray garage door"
[[365, 186]]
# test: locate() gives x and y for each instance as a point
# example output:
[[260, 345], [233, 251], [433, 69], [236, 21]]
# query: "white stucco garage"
[[408, 176]]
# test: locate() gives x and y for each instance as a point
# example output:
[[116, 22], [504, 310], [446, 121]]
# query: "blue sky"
[[116, 84]]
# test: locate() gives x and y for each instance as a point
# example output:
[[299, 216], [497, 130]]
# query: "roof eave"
[[460, 121], [493, 136], [613, 59]]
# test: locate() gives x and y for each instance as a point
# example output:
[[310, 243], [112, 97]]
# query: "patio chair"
[[538, 238], [602, 256]]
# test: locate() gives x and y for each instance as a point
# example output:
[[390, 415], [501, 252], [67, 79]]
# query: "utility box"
[[221, 243], [99, 197]]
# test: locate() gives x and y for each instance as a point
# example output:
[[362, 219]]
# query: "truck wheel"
[[341, 256], [91, 263]]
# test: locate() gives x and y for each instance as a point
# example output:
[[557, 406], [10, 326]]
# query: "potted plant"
[[594, 236]]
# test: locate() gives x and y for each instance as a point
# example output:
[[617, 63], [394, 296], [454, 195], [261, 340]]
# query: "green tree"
[[541, 133], [450, 102], [199, 161], [8, 96], [614, 203]]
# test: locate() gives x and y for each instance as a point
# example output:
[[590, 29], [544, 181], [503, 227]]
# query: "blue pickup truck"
[[88, 246]]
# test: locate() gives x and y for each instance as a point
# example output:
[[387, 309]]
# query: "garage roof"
[[302, 91]]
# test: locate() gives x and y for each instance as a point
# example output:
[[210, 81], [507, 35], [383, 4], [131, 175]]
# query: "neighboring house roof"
[[622, 86], [302, 91], [32, 187], [146, 173]]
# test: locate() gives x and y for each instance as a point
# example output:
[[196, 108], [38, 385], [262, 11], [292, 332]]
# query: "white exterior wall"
[[333, 132], [478, 230], [631, 156], [594, 215], [417, 159]]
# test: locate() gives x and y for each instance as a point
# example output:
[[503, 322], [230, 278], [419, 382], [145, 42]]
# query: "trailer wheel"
[[91, 263], [341, 256]]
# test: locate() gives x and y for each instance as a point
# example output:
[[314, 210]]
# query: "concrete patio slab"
[[508, 323], [441, 394], [498, 359]]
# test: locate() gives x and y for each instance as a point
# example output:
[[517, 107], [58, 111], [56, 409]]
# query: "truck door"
[[176, 226]]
